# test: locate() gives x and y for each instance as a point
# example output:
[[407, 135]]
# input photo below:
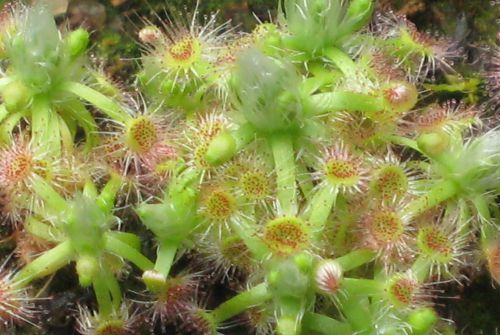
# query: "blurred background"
[[115, 22]]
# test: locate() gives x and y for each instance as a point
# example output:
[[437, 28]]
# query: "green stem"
[[8, 125], [355, 259], [421, 268], [322, 324], [248, 234], [437, 194], [321, 207], [106, 198], [45, 127], [241, 302], [320, 79], [363, 287], [42, 230], [489, 231], [482, 207], [464, 217], [305, 183], [342, 61], [356, 311], [125, 251], [284, 161], [406, 142], [130, 239], [46, 264], [53, 202], [89, 189], [3, 112], [165, 256], [342, 227], [344, 101], [99, 100], [340, 241], [113, 287], [102, 295], [67, 140], [290, 319], [78, 111], [40, 114]]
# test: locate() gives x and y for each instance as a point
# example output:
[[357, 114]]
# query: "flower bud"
[[150, 34], [422, 320], [221, 149], [77, 42], [433, 144], [401, 96], [86, 267], [328, 276], [15, 96]]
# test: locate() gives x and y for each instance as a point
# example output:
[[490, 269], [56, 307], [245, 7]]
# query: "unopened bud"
[[328, 276]]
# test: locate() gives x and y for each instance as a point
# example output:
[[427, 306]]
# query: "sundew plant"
[[297, 179]]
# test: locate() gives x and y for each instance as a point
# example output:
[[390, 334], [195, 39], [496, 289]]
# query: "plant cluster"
[[302, 165]]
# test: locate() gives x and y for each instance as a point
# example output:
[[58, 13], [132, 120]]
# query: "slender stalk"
[[42, 230], [421, 268], [3, 112], [322, 324], [439, 193], [319, 80], [284, 161], [482, 208], [106, 198], [406, 142], [78, 111], [344, 101], [67, 140], [241, 302], [355, 259], [46, 264], [130, 239], [305, 183], [113, 287], [45, 127], [125, 251], [489, 230], [102, 295], [89, 189], [342, 61], [248, 234], [52, 200], [356, 311], [165, 256], [321, 207], [290, 320], [8, 125], [363, 287], [99, 100]]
